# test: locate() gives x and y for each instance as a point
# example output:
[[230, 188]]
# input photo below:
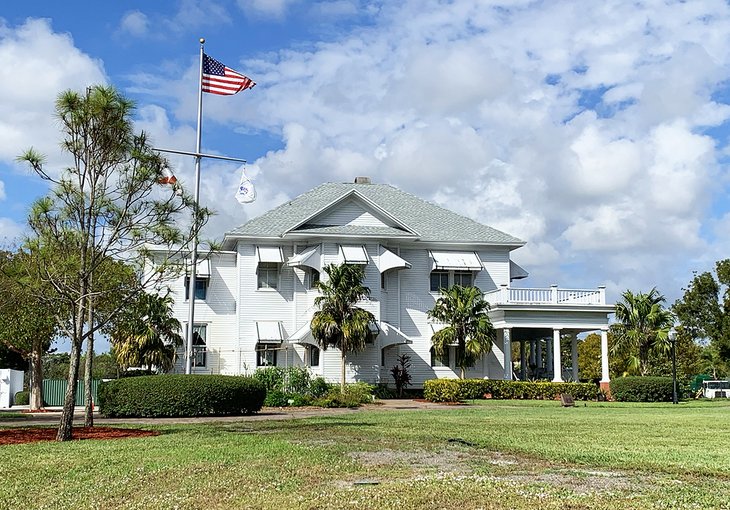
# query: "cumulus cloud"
[[583, 134], [38, 64], [580, 134], [267, 8], [11, 232], [134, 23]]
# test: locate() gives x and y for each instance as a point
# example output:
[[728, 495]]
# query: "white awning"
[[203, 268], [353, 254], [311, 257], [437, 326], [516, 272], [456, 260], [389, 260], [270, 254], [303, 336], [269, 332], [390, 335]]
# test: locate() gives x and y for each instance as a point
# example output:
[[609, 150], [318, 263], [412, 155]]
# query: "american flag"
[[222, 80]]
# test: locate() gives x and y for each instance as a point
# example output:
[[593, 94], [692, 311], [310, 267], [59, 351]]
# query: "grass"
[[10, 415], [493, 455]]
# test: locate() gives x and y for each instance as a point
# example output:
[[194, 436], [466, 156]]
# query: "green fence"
[[54, 391]]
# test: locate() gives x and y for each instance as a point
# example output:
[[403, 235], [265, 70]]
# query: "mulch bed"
[[35, 434]]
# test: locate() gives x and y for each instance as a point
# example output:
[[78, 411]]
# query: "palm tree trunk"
[[342, 373]]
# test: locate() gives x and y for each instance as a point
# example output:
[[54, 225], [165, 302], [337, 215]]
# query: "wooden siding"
[[235, 304], [352, 212], [217, 312]]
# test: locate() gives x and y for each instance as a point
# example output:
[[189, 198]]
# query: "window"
[[201, 288], [199, 346], [312, 356], [266, 355], [311, 277], [440, 361], [268, 275], [439, 280], [463, 278]]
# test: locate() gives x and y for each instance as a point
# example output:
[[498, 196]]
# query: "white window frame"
[[268, 268]]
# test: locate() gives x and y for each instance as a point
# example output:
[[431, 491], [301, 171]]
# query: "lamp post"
[[673, 339]]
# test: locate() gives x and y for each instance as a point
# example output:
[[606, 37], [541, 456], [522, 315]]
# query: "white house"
[[254, 299]]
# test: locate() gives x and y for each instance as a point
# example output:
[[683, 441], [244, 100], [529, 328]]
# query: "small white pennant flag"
[[246, 192]]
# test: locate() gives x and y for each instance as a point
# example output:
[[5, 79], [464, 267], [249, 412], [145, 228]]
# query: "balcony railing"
[[552, 295]]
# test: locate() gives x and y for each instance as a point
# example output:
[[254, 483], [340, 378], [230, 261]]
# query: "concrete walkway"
[[53, 414]]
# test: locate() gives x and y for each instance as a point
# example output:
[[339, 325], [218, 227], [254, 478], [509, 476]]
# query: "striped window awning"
[[310, 257], [353, 254], [202, 268], [270, 254], [456, 260], [389, 260], [269, 332]]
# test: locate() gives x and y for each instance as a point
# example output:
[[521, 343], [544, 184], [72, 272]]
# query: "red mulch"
[[35, 434]]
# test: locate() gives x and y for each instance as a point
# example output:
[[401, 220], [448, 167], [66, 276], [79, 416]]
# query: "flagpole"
[[194, 253]]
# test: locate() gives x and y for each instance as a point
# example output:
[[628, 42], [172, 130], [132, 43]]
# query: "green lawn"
[[493, 454]]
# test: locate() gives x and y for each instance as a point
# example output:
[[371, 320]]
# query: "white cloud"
[[580, 132], [134, 23], [266, 8], [38, 64], [11, 232], [433, 104]]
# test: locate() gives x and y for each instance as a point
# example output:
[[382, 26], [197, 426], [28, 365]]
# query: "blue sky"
[[599, 136]]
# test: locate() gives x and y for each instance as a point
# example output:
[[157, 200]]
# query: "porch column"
[[523, 361], [532, 352], [574, 356], [604, 358], [557, 365], [507, 348], [538, 354], [548, 357]]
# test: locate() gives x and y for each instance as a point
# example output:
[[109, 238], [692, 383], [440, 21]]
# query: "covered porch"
[[539, 319]]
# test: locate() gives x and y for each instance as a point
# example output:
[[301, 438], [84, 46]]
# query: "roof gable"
[[352, 210], [400, 215]]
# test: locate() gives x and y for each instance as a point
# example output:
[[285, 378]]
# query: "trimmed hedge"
[[22, 398], [456, 390], [642, 389], [181, 395]]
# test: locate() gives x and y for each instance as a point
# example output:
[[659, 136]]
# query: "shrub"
[[642, 389], [382, 391], [318, 387], [401, 374], [22, 398], [355, 394], [296, 380], [181, 395], [290, 386], [271, 377], [456, 390], [335, 398]]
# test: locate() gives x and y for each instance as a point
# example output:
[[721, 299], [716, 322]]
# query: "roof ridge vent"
[[362, 180]]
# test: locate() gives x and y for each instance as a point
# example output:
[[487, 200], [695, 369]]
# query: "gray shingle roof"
[[428, 222]]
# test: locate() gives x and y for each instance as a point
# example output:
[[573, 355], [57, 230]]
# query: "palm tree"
[[642, 326], [148, 335], [339, 323], [464, 310]]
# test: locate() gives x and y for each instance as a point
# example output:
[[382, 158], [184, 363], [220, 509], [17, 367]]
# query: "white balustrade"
[[552, 295]]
